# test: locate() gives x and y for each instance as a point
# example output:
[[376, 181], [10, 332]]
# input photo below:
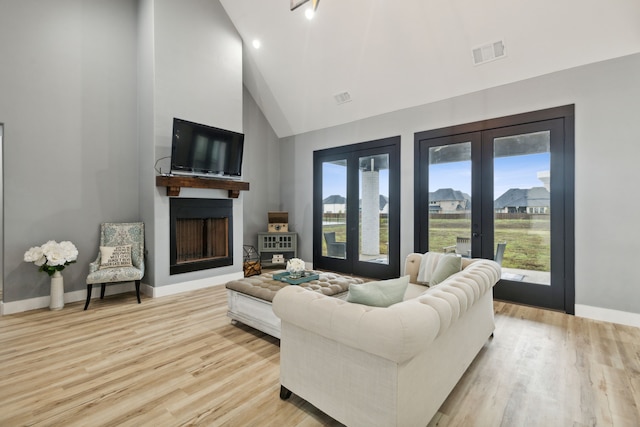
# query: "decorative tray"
[[307, 276]]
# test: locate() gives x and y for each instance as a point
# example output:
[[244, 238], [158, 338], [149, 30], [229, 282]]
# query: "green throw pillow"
[[447, 265], [379, 294]]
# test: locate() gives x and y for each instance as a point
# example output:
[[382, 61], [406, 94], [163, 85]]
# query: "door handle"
[[474, 234]]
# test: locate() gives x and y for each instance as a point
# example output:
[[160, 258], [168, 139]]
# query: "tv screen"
[[201, 150]]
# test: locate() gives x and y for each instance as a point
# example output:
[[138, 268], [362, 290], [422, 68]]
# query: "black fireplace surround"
[[201, 234]]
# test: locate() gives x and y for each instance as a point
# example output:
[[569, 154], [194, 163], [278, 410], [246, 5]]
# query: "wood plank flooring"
[[177, 361]]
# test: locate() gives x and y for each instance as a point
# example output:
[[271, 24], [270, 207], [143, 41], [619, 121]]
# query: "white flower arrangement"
[[295, 265], [52, 256]]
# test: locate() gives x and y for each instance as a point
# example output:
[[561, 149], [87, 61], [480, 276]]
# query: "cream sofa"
[[394, 366]]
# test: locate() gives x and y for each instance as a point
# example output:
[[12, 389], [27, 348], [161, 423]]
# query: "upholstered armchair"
[[120, 258]]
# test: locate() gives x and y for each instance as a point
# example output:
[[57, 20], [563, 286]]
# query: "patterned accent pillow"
[[115, 256]]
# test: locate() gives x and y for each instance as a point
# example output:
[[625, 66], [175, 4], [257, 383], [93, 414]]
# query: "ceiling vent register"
[[342, 98], [489, 52]]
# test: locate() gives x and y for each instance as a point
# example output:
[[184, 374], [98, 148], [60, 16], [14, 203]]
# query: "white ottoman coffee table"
[[249, 299]]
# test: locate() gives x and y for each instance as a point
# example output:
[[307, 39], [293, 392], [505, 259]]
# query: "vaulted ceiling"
[[390, 55]]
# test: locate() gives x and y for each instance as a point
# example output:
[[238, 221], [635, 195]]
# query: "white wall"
[[607, 101], [68, 104], [197, 74]]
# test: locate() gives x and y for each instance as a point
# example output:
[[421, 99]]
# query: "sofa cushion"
[[447, 266], [378, 294]]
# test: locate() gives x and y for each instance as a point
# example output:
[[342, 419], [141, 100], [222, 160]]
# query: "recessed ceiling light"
[[256, 43], [309, 14]]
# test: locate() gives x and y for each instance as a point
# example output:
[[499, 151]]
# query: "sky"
[[335, 180], [509, 172]]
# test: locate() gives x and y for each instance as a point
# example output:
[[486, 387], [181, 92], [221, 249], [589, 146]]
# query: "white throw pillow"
[[115, 256], [427, 266]]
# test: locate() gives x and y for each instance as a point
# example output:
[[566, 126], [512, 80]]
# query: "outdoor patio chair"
[[462, 247], [500, 252], [335, 249]]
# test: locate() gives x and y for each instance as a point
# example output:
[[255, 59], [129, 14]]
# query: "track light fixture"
[[297, 3]]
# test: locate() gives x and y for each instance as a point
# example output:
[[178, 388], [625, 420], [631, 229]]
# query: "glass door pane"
[[374, 209], [449, 179], [520, 175], [528, 212], [522, 206], [356, 209], [334, 208]]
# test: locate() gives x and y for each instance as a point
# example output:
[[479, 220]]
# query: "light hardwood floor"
[[177, 360]]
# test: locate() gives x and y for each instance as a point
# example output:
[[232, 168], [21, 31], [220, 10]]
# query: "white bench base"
[[256, 312], [249, 298], [253, 312]]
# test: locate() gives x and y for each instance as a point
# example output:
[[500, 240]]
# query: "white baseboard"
[[25, 305], [177, 288], [608, 315], [69, 297], [153, 292]]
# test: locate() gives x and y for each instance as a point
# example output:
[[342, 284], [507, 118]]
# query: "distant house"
[[448, 200], [535, 200], [337, 204], [334, 204]]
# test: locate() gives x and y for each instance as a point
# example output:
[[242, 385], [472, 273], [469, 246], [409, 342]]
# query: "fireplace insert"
[[201, 234]]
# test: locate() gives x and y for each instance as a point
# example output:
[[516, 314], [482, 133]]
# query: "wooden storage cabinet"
[[277, 243]]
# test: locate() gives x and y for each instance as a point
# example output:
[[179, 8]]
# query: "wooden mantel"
[[174, 183]]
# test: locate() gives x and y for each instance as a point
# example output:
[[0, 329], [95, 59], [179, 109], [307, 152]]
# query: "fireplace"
[[201, 234]]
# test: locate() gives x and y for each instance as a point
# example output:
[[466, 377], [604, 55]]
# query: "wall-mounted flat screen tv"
[[202, 150]]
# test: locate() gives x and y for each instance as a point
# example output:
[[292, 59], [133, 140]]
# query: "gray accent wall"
[[607, 102], [261, 167], [69, 108], [146, 130], [88, 92]]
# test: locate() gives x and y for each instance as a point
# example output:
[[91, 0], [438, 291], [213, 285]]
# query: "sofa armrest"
[[413, 260], [396, 333], [412, 266]]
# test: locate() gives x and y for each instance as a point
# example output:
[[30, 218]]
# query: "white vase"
[[57, 291]]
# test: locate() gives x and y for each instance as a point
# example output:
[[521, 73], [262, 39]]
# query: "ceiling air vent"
[[489, 52], [343, 97]]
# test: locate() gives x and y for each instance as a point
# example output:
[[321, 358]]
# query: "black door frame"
[[351, 264], [485, 129]]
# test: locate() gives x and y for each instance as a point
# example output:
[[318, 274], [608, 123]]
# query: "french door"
[[503, 189], [356, 207]]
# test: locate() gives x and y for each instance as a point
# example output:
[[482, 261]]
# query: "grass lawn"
[[341, 234], [528, 240]]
